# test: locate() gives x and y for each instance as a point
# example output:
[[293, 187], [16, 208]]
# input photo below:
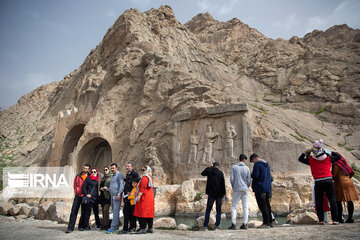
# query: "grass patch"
[[303, 136], [322, 109], [321, 133], [348, 135], [349, 149], [198, 196], [297, 138], [357, 172], [286, 124]]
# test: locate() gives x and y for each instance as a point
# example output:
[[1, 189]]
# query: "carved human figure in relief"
[[230, 135], [210, 137], [194, 141]]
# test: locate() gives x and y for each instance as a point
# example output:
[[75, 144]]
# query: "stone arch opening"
[[70, 143], [96, 152]]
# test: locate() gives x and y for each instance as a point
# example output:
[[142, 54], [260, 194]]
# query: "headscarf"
[[344, 166], [317, 151], [147, 174], [96, 178]]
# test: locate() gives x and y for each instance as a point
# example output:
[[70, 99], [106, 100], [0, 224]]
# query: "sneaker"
[[150, 230], [263, 226], [243, 226], [217, 228], [232, 227], [81, 229], [68, 231], [142, 231], [321, 223], [88, 229], [204, 228], [335, 223], [123, 232], [109, 231]]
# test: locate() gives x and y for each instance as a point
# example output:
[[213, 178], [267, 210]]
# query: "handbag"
[[85, 199]]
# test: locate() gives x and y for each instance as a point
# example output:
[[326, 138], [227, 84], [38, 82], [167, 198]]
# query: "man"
[[130, 176], [215, 189], [78, 182], [261, 185], [240, 180], [116, 189]]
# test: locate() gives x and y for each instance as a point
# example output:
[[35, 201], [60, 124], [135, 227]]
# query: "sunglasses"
[[93, 171], [143, 170], [106, 170]]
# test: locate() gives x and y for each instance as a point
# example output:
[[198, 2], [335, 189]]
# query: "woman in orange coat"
[[145, 202], [344, 188]]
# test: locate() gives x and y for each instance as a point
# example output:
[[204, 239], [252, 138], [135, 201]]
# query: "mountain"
[[121, 105]]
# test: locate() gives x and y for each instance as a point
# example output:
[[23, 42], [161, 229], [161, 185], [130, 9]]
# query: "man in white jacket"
[[240, 180]]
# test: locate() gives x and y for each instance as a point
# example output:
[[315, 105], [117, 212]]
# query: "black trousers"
[[327, 187], [87, 213], [350, 206], [74, 212], [144, 221], [95, 208], [263, 202], [129, 217]]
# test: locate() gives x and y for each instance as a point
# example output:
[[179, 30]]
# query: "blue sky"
[[44, 40]]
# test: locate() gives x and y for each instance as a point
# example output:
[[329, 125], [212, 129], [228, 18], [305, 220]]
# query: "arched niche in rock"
[[96, 152], [70, 143]]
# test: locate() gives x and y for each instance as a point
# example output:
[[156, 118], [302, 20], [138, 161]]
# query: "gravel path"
[[31, 229]]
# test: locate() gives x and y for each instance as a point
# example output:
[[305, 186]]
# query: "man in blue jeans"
[[116, 189], [215, 189]]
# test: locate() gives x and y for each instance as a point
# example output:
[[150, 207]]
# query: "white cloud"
[[204, 5], [110, 13], [346, 12], [214, 8], [57, 27], [31, 81], [30, 13], [289, 23]]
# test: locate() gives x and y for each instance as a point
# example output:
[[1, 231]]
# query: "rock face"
[[177, 97]]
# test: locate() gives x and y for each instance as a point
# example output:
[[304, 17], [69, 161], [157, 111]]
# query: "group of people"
[[331, 172], [137, 193], [240, 179]]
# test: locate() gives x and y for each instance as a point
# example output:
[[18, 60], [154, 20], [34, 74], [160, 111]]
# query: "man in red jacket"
[[320, 165], [78, 182]]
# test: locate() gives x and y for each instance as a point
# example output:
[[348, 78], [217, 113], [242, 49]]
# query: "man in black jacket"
[[130, 176], [215, 189]]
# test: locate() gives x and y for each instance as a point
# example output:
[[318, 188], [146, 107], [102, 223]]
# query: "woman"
[[144, 201], [90, 190], [104, 198], [344, 188]]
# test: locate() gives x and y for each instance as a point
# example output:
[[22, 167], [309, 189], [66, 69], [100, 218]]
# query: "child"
[[131, 197]]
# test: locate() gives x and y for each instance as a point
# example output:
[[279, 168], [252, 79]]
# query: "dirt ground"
[[31, 229]]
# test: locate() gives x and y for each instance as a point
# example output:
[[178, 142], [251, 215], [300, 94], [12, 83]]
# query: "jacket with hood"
[[240, 178], [215, 185], [320, 166], [261, 177]]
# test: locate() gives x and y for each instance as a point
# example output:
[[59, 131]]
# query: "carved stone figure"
[[194, 141], [230, 135], [210, 137]]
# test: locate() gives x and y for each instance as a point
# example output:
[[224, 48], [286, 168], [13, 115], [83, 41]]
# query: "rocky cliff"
[[123, 104]]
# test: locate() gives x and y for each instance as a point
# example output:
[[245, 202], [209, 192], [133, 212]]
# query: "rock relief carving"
[[194, 141]]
